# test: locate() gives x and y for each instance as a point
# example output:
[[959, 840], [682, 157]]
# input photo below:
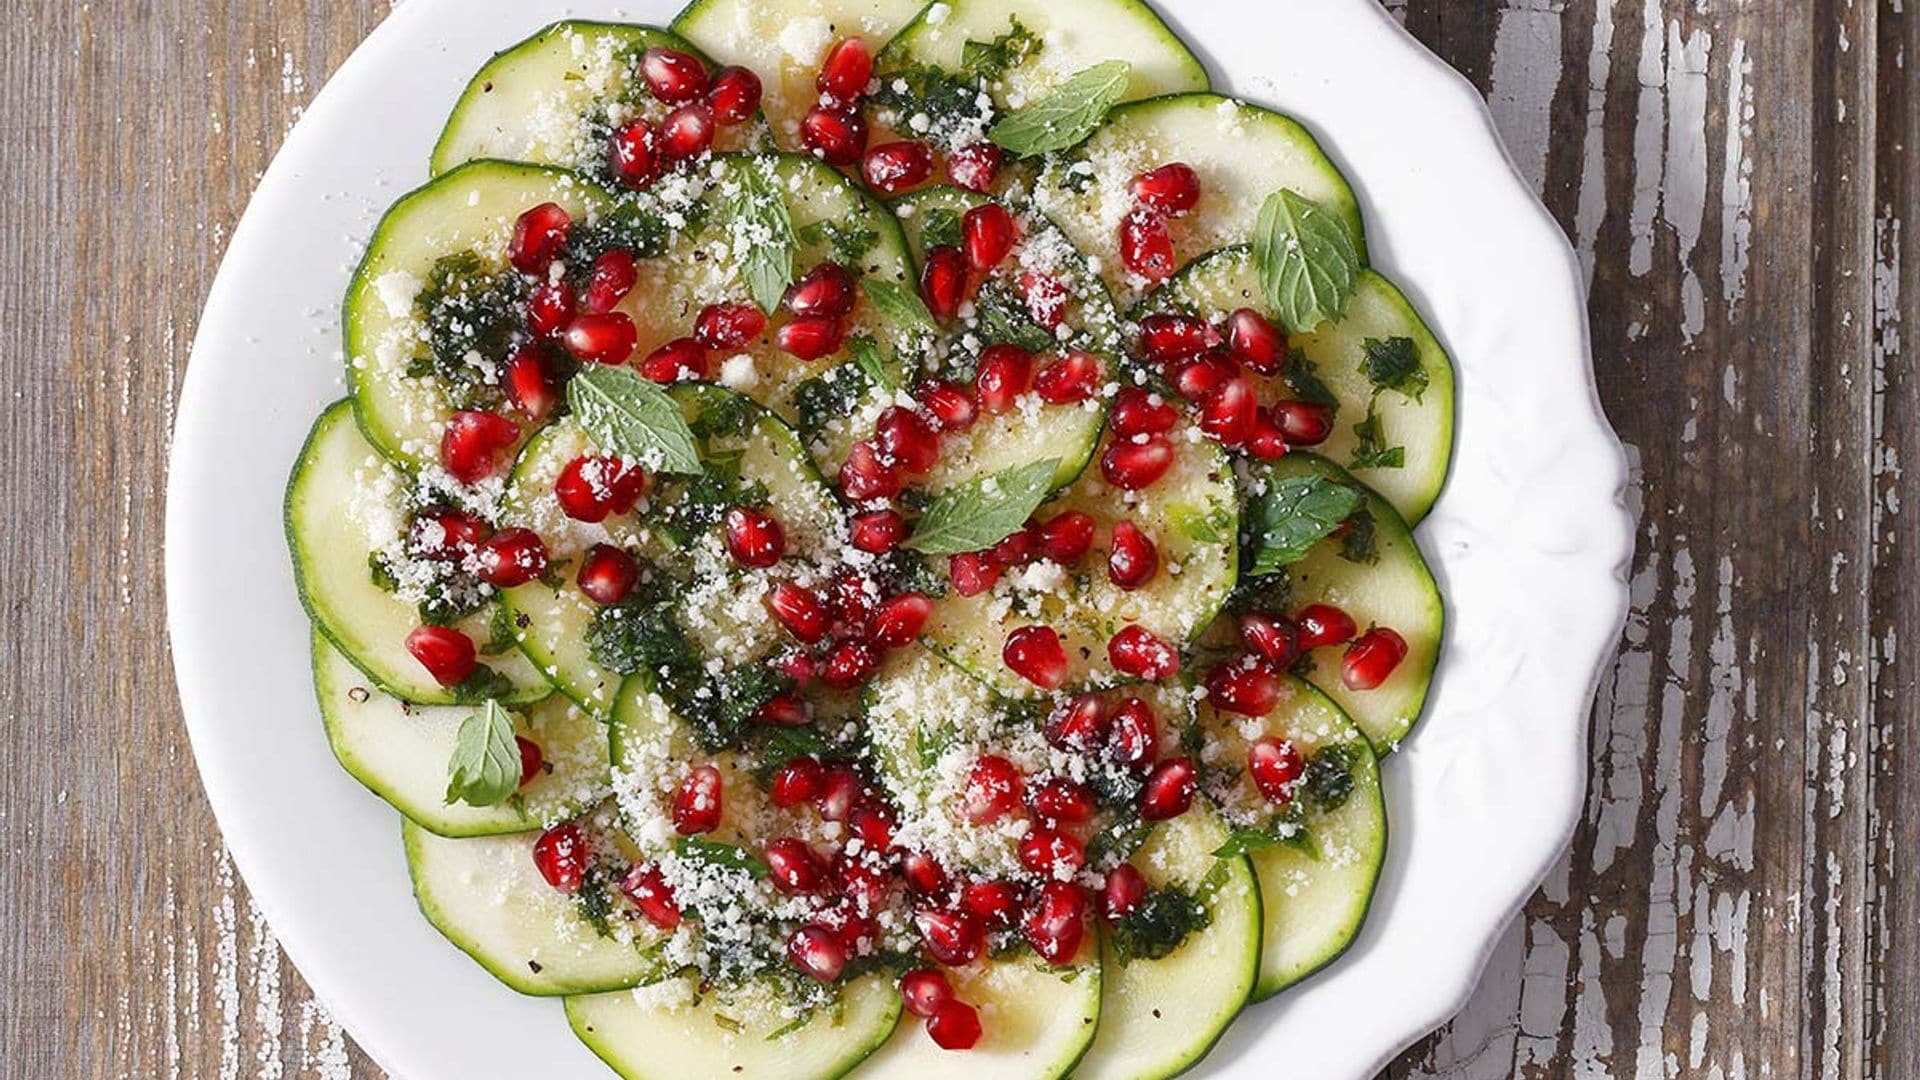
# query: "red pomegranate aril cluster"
[[1137, 463], [607, 338], [1146, 240], [1123, 892], [1056, 923], [539, 236], [1005, 372], [1273, 637], [593, 486], [550, 308], [681, 358], [792, 866], [1074, 377], [1169, 790], [1132, 560], [988, 234], [735, 95], [834, 130], [1320, 625], [1245, 684], [702, 100], [953, 938], [817, 951]]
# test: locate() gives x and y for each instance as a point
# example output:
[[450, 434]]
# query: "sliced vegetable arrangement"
[[876, 537]]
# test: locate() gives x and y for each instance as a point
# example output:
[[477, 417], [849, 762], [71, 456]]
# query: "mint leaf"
[[725, 856], [485, 768], [630, 416], [1393, 364], [940, 227], [899, 305], [1291, 516], [761, 235], [1307, 261], [1303, 378], [983, 511], [866, 357], [1067, 114]]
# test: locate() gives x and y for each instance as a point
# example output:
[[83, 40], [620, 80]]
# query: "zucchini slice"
[[400, 752], [1242, 152], [1036, 1023], [1316, 886], [343, 505], [1159, 1017], [555, 98], [1394, 589], [784, 41], [486, 895], [650, 1037], [1191, 516], [551, 618], [1215, 285]]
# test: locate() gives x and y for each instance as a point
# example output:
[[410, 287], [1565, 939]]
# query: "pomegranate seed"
[[954, 938], [753, 538], [1138, 653], [826, 289], [1004, 373], [647, 887], [1168, 338], [1140, 412], [612, 279], [972, 573], [955, 1027], [995, 903], [810, 337], [839, 790], [783, 710], [1227, 416], [1080, 725], [1061, 799], [1170, 189], [1066, 537], [1266, 441], [594, 485], [894, 167], [799, 610], [835, 136], [549, 309], [992, 790], [632, 154], [681, 358], [864, 475], [924, 990], [672, 75], [1074, 377], [845, 72], [1133, 560], [792, 865], [795, 665], [952, 408], [873, 824], [1035, 654], [1052, 853], [1244, 685], [539, 235], [923, 873], [818, 952], [607, 574], [1045, 297], [861, 881], [1014, 549], [878, 531], [530, 384], [906, 438], [607, 338], [943, 282], [848, 664], [511, 558], [988, 232], [446, 534], [899, 619], [476, 444], [697, 807], [1133, 737], [800, 780], [1370, 660], [1256, 342], [1170, 790], [735, 95], [1125, 888], [531, 759], [974, 166], [1056, 923], [1146, 245], [687, 132], [1323, 624], [854, 598], [1136, 465], [1200, 379], [728, 326], [1276, 767], [1274, 638], [1303, 423], [561, 856]]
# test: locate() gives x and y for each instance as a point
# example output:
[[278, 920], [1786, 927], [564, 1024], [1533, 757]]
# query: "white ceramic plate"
[[1529, 541]]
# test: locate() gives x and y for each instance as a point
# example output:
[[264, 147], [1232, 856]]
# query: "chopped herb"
[[1290, 517], [595, 901], [1156, 927], [1304, 380], [1328, 780], [829, 397], [725, 856], [632, 225], [849, 242], [483, 683], [469, 309], [939, 227], [1372, 451], [500, 635], [1212, 525], [1357, 541], [1001, 318], [1394, 364], [991, 59], [866, 356], [1119, 839], [485, 767], [639, 634]]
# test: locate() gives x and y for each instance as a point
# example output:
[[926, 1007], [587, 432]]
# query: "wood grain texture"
[[1735, 176]]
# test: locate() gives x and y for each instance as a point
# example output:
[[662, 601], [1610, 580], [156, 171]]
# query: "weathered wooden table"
[[1735, 176]]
